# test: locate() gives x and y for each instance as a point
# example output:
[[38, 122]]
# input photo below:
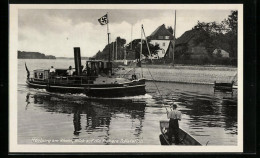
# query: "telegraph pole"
[[174, 40], [131, 36], [116, 49]]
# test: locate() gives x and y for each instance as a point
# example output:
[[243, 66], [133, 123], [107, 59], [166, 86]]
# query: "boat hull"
[[223, 87], [133, 88], [185, 138]]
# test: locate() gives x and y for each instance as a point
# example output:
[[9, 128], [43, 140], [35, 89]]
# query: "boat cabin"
[[95, 68], [41, 74]]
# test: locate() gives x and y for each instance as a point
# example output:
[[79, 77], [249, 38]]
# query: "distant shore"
[[33, 55]]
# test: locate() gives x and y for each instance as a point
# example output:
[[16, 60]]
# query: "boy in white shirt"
[[174, 117]]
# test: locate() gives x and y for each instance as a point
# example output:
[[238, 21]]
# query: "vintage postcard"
[[126, 78]]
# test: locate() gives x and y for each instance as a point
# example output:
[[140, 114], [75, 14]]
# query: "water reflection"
[[96, 114], [207, 111], [204, 114], [204, 107], [27, 100]]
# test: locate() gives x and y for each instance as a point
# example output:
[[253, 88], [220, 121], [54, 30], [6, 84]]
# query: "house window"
[[167, 37], [160, 37], [163, 44]]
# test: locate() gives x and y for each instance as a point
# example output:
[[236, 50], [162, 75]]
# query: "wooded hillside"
[[33, 55]]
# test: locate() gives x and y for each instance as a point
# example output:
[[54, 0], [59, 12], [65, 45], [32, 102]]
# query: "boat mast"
[[147, 44], [141, 45], [174, 39]]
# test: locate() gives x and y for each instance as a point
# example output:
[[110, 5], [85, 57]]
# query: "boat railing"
[[67, 79], [80, 79], [72, 79]]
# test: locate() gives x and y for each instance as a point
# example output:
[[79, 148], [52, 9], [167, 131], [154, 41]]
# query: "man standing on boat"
[[174, 117], [52, 71], [70, 71]]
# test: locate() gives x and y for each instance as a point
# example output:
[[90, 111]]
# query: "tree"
[[212, 28], [231, 35], [231, 22], [136, 44], [104, 54], [220, 35], [170, 29], [119, 45]]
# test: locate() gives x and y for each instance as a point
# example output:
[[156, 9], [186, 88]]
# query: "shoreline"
[[186, 74], [181, 82]]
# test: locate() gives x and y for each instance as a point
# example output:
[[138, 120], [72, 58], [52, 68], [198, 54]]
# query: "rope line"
[[156, 87]]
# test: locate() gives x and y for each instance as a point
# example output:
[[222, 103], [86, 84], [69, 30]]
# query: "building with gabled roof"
[[164, 39], [192, 43]]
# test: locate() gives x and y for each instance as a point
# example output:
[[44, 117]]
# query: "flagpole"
[[108, 39]]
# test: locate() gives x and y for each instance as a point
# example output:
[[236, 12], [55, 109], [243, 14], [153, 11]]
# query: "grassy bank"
[[187, 74]]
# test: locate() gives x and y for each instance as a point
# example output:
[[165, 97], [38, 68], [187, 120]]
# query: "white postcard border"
[[13, 47]]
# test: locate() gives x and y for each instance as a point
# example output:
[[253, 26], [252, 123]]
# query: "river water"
[[77, 119]]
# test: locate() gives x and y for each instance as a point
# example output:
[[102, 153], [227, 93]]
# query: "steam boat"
[[97, 80]]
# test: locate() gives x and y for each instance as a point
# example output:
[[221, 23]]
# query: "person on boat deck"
[[70, 71], [52, 71], [174, 117], [84, 69]]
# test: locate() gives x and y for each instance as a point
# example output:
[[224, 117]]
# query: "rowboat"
[[185, 138], [223, 86], [229, 101]]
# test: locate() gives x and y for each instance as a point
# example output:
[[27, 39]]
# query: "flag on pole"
[[28, 72], [103, 20]]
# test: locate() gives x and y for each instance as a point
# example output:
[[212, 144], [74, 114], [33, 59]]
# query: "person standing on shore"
[[175, 117]]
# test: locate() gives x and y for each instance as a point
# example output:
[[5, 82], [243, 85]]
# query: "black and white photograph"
[[126, 78]]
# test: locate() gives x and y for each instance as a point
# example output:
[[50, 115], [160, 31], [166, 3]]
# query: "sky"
[[57, 31]]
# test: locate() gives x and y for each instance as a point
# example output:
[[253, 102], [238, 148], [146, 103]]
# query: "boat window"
[[40, 75]]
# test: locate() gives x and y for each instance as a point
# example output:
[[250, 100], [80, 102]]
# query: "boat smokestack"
[[77, 59]]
